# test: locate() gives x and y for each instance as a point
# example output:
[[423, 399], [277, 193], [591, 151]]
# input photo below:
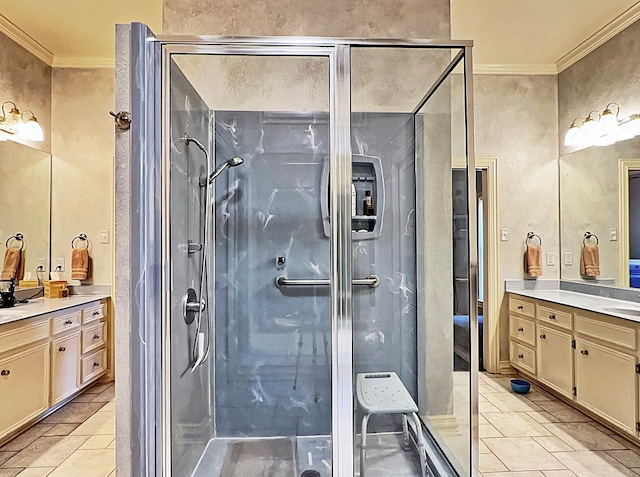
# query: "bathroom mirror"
[[25, 179], [590, 183]]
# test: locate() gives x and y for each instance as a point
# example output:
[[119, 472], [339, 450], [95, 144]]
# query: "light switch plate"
[[504, 235], [59, 265], [613, 234], [551, 259], [41, 262], [568, 258], [104, 236]]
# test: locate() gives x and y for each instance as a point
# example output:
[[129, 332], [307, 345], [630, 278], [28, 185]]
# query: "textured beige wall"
[[82, 146], [26, 80], [341, 18], [515, 123]]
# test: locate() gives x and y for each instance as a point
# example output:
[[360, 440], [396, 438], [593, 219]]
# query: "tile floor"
[[537, 435], [76, 440]]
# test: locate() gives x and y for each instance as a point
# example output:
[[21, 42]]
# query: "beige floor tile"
[[106, 395], [9, 472], [582, 436], [482, 419], [27, 437], [36, 471], [97, 442], [526, 473], [113, 474], [542, 417], [487, 430], [602, 428], [558, 473], [73, 413], [563, 412], [539, 395], [520, 454], [60, 430], [511, 402], [483, 449], [84, 397], [593, 464], [102, 462], [553, 444], [112, 444], [97, 388], [626, 443], [485, 407], [516, 424], [46, 452], [490, 463], [6, 455], [626, 457], [110, 406], [99, 423]]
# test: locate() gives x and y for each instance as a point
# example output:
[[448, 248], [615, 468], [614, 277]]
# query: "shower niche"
[[367, 197]]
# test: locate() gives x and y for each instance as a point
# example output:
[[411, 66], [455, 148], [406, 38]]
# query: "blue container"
[[520, 386]]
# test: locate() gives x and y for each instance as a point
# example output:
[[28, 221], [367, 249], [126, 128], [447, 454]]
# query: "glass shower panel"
[[390, 360], [268, 291]]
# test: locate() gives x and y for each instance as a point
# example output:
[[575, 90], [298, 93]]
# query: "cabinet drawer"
[[523, 358], [522, 329], [522, 307], [554, 316], [93, 337], [93, 365], [66, 322], [20, 334], [92, 312], [604, 329], [65, 353]]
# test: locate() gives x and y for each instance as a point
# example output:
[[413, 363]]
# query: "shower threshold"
[[298, 456]]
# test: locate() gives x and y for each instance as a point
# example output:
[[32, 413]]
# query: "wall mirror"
[[25, 202], [591, 182]]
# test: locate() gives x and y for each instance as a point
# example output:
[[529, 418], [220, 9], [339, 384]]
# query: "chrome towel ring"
[[18, 238]]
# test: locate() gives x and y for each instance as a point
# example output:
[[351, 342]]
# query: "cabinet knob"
[[62, 349], [95, 365], [543, 337], [584, 352], [96, 313], [521, 356], [552, 317], [68, 322], [5, 372], [96, 337], [521, 329], [520, 307]]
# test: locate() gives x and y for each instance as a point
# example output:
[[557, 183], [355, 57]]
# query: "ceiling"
[[517, 36]]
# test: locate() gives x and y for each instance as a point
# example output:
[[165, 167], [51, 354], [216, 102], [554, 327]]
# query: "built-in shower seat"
[[384, 393]]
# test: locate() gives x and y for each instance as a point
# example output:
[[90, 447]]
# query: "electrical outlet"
[[551, 259], [104, 236], [568, 258], [504, 235], [42, 264], [613, 234], [59, 265]]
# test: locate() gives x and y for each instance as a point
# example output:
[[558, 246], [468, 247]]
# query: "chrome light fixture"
[[602, 129], [12, 124]]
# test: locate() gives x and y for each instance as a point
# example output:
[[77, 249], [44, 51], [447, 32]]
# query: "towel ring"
[[82, 238], [587, 236], [18, 238], [531, 235]]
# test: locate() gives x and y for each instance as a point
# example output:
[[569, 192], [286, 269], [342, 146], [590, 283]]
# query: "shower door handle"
[[191, 306], [281, 281]]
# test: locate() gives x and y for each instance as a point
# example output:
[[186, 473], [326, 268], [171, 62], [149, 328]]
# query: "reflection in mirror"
[[25, 177], [590, 189]]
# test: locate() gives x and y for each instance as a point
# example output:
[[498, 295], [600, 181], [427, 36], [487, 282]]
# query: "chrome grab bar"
[[281, 281]]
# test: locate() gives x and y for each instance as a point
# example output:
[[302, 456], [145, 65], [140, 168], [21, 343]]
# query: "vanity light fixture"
[[602, 130], [12, 123]]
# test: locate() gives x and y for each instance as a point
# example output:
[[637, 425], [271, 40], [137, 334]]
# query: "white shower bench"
[[384, 393]]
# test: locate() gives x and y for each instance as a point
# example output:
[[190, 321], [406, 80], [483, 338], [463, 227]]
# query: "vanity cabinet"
[[588, 358], [47, 359]]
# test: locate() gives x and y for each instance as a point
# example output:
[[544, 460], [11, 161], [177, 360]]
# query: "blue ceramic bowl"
[[520, 386]]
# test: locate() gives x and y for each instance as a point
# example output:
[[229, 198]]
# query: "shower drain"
[[310, 473]]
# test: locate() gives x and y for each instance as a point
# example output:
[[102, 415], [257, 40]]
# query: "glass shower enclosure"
[[298, 237]]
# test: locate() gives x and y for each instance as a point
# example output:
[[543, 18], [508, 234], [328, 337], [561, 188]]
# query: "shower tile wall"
[[273, 345], [191, 421]]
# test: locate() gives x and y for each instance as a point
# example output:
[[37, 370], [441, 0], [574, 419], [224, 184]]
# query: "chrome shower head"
[[233, 162]]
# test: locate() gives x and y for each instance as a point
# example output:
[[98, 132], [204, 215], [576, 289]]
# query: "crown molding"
[[600, 37], [515, 69], [83, 62], [25, 41]]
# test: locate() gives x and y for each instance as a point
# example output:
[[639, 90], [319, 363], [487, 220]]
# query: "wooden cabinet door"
[[66, 361], [606, 383], [24, 387], [555, 360]]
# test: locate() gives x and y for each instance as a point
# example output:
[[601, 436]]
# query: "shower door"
[[251, 372]]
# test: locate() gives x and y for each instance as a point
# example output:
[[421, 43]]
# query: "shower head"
[[233, 162]]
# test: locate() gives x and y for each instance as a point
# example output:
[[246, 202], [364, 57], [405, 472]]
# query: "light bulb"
[[608, 122], [573, 136], [590, 128], [31, 130]]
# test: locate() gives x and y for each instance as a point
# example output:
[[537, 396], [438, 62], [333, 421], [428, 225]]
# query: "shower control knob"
[[191, 306]]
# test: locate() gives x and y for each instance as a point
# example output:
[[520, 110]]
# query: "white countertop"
[[41, 306], [585, 301]]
